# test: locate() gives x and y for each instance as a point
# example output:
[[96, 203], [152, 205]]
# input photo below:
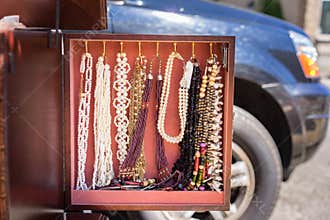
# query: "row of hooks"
[[157, 48]]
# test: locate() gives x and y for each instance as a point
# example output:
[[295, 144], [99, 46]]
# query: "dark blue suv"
[[281, 111]]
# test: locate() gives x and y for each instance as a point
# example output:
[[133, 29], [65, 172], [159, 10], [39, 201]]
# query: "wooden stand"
[[143, 200]]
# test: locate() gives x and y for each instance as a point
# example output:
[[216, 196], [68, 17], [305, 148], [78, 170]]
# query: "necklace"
[[205, 110], [183, 100], [121, 103], [214, 151], [103, 167], [161, 159], [83, 116], [185, 163], [136, 141], [136, 93]]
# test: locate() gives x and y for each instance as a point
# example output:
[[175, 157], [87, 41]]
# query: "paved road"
[[307, 193]]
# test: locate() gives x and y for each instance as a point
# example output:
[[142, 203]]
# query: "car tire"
[[261, 149], [256, 142]]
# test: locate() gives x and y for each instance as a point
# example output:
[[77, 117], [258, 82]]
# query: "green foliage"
[[272, 7]]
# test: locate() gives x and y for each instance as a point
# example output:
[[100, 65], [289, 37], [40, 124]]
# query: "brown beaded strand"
[[206, 110], [136, 93], [161, 160], [135, 145], [200, 129]]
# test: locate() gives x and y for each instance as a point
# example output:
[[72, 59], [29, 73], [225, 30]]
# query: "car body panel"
[[132, 19]]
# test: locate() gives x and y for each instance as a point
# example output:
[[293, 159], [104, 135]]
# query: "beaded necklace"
[[136, 93], [121, 103], [161, 159], [185, 163], [214, 151], [205, 110], [183, 100], [135, 145], [83, 116], [103, 167]]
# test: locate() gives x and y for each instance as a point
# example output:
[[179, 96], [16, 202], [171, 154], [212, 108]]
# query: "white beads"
[[83, 118], [183, 101], [103, 167], [83, 63], [121, 103], [214, 151]]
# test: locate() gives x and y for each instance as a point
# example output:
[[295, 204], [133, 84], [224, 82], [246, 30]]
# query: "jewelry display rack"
[[149, 45]]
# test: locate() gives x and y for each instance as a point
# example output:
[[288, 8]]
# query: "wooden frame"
[[146, 200], [3, 127], [83, 15]]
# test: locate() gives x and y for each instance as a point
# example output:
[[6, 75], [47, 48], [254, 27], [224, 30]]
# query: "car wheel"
[[256, 176]]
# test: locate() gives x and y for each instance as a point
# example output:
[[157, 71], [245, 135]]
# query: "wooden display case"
[[143, 200]]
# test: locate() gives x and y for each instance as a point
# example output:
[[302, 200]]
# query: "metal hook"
[[193, 50], [157, 49], [211, 49], [104, 48], [139, 48], [86, 46], [121, 47]]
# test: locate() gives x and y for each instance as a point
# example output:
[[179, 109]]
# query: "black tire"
[[259, 146], [261, 149]]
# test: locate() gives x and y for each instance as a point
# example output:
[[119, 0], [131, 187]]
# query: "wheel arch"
[[268, 112]]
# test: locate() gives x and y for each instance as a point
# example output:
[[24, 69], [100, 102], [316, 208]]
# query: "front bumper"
[[306, 108], [312, 104]]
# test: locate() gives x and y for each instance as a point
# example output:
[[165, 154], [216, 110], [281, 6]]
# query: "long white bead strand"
[[83, 118], [103, 166], [108, 151], [121, 103]]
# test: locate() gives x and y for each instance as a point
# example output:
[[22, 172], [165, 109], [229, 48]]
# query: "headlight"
[[306, 53]]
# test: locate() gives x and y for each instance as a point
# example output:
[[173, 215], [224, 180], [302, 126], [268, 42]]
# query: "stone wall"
[[313, 17], [294, 11]]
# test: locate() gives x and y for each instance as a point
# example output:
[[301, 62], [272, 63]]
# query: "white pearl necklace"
[[103, 167], [183, 99], [83, 118], [121, 103]]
